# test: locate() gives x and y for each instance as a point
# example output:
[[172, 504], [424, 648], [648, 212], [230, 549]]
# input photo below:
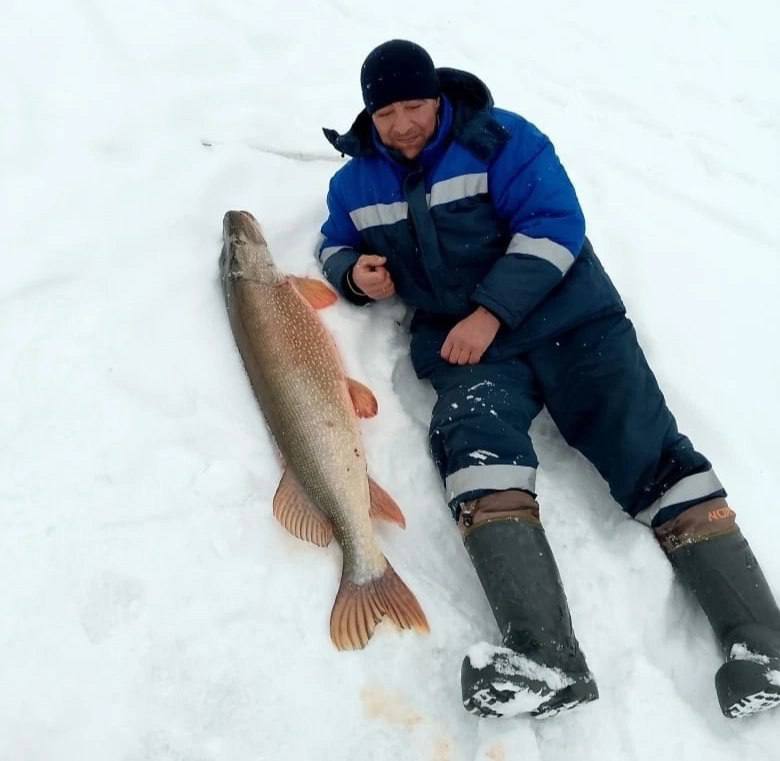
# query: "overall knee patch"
[[697, 524], [479, 430]]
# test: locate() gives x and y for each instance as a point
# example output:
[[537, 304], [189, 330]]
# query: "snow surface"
[[153, 610], [741, 652]]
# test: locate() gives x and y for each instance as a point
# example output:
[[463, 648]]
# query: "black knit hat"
[[397, 70]]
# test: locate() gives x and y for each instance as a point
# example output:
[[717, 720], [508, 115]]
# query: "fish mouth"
[[238, 229], [241, 226]]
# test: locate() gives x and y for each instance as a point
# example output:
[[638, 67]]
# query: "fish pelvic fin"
[[360, 607], [363, 399], [383, 506], [299, 515], [314, 291]]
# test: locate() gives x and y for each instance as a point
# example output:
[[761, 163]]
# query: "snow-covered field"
[[152, 609]]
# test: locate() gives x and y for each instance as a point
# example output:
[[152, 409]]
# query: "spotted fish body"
[[310, 407]]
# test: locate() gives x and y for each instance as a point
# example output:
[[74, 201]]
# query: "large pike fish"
[[311, 407]]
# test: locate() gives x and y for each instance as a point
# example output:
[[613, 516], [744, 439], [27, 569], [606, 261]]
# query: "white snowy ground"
[[152, 609]]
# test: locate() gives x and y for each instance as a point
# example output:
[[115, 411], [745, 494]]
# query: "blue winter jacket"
[[484, 215]]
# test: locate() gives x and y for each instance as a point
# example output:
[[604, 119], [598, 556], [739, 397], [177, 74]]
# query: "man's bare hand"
[[370, 275], [469, 339]]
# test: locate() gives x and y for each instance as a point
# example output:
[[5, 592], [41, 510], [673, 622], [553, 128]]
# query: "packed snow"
[[153, 609]]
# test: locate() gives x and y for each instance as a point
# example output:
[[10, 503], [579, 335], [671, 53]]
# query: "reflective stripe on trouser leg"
[[479, 428], [690, 490], [480, 478]]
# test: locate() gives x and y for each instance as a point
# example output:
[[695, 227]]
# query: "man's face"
[[407, 125]]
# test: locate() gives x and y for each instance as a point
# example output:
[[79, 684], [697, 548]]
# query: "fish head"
[[244, 250]]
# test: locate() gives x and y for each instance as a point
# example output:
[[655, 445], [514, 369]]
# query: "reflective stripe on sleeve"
[[318, 246], [544, 248], [326, 253]]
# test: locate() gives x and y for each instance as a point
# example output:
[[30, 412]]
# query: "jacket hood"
[[473, 124]]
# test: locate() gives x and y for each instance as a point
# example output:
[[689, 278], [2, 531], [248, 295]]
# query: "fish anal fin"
[[383, 506], [298, 514], [360, 607], [363, 399], [314, 291]]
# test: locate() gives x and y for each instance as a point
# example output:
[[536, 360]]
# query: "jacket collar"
[[467, 106]]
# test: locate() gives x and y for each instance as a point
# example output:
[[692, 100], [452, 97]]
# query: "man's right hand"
[[371, 276]]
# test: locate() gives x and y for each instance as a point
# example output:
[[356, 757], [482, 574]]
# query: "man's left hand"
[[469, 339]]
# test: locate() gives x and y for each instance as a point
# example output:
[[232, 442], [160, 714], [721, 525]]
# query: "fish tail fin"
[[360, 607]]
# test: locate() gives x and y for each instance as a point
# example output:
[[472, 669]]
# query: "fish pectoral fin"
[[315, 291], [360, 607], [363, 399], [383, 506], [299, 515]]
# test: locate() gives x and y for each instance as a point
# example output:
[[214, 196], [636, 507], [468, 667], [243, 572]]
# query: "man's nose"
[[402, 123]]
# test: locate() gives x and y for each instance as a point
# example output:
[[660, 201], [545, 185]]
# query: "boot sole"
[[509, 685], [744, 688], [485, 702], [493, 694], [584, 691]]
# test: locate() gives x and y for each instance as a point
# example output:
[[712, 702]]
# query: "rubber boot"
[[539, 668], [713, 559]]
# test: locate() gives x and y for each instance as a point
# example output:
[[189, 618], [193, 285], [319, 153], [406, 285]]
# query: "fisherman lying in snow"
[[464, 211]]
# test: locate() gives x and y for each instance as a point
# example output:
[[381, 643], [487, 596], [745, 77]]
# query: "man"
[[464, 211]]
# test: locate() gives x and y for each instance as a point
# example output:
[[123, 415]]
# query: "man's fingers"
[[374, 274], [376, 277], [372, 278], [458, 356], [466, 343], [382, 289], [454, 354], [371, 260], [374, 283]]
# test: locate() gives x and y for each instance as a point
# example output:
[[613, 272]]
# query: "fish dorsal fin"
[[383, 506], [314, 291], [299, 515], [363, 399]]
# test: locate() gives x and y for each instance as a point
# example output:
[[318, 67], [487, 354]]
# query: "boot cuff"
[[511, 504]]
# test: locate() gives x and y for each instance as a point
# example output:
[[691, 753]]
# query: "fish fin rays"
[[363, 399], [383, 506], [314, 291], [360, 607], [296, 512]]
